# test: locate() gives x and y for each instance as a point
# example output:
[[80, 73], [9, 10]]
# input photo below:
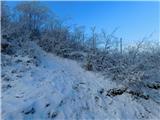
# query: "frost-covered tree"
[[106, 39], [5, 19], [93, 39], [79, 34], [32, 16]]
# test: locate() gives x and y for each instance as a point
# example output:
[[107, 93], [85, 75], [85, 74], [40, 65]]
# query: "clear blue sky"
[[134, 19]]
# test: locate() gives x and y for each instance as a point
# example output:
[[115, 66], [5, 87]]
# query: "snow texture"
[[60, 89]]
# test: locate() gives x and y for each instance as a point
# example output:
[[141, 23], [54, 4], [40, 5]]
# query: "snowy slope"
[[60, 89]]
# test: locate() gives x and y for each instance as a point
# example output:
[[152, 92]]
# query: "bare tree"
[[5, 19], [121, 49], [107, 41], [79, 35], [94, 39], [32, 14]]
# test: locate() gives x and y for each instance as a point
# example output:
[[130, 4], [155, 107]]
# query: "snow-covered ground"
[[58, 88]]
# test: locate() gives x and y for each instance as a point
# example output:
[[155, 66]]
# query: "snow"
[[61, 89]]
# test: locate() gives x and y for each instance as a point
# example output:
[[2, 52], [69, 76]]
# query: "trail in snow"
[[60, 89]]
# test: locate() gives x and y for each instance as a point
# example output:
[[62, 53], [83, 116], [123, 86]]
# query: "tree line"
[[32, 21]]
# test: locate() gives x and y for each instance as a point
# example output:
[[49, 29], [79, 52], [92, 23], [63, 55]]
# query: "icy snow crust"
[[60, 89]]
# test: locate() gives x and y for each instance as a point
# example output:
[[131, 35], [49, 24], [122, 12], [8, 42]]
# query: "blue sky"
[[134, 19]]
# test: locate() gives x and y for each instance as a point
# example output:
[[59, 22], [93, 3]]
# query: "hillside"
[[50, 87]]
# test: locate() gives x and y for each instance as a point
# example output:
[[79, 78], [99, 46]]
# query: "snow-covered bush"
[[77, 55], [88, 63], [56, 41], [132, 66]]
